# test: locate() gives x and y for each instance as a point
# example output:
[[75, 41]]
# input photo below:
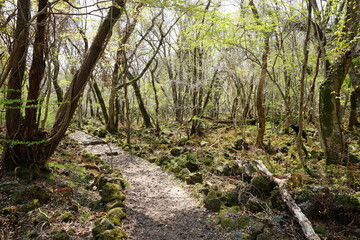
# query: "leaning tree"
[[27, 145]]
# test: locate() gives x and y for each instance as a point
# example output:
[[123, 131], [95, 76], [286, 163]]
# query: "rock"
[[194, 178], [212, 202], [240, 236], [257, 229], [184, 172], [61, 235], [247, 170], [276, 200], [24, 174], [175, 152], [345, 209], [224, 169], [113, 234], [230, 219], [193, 167], [261, 186], [33, 234], [101, 226], [241, 145], [114, 204], [34, 203], [110, 192], [111, 178], [255, 205], [264, 236], [162, 160], [68, 217], [115, 215], [230, 198]]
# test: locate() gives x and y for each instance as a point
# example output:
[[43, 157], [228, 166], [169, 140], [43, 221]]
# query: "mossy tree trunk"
[[354, 74], [335, 73]]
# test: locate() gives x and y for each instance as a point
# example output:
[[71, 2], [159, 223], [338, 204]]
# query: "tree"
[[335, 73], [25, 146]]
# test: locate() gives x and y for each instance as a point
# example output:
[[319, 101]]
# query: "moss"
[[113, 234], [24, 174], [34, 203], [231, 220], [36, 192], [61, 235], [115, 215], [261, 186], [194, 178], [212, 202], [67, 217], [101, 225], [114, 204], [110, 192]]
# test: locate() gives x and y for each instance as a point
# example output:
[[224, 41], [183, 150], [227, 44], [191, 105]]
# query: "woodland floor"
[[157, 205]]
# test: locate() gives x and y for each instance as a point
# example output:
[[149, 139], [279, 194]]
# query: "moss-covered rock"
[[175, 152], [24, 174], [262, 186], [115, 215], [111, 178], [257, 228], [101, 225], [192, 166], [224, 169], [230, 219], [61, 235], [67, 217], [230, 198], [113, 234], [40, 216], [162, 160], [264, 236], [255, 205], [110, 192], [33, 203], [212, 201], [194, 178], [114, 204]]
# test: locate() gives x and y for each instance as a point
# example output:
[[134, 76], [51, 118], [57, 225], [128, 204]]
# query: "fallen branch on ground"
[[286, 197]]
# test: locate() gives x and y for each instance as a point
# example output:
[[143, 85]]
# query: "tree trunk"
[[355, 96], [35, 154], [260, 94], [329, 110], [14, 119], [36, 74], [144, 113], [101, 101], [329, 103]]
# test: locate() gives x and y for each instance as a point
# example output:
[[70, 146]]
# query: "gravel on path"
[[157, 206]]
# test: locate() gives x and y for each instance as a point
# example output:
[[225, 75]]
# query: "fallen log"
[[304, 222]]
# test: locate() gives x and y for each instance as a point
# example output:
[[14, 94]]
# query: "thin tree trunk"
[[260, 94], [144, 113], [101, 101], [354, 98]]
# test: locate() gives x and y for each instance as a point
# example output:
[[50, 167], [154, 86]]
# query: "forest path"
[[157, 207]]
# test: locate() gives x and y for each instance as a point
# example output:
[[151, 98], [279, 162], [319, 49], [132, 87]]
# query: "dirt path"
[[158, 208]]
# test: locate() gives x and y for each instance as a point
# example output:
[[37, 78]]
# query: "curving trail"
[[158, 208]]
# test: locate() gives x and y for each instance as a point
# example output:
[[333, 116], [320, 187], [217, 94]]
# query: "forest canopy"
[[156, 62]]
